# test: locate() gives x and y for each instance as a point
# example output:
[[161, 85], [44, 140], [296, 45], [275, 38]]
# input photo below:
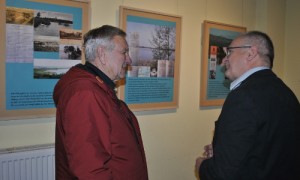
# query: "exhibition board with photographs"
[[214, 85], [41, 40], [154, 46]]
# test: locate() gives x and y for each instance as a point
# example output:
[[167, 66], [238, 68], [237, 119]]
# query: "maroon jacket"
[[97, 136]]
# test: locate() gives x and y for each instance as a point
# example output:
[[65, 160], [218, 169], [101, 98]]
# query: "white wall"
[[174, 138]]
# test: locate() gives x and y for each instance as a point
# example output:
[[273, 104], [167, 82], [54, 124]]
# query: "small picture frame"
[[154, 40], [214, 85]]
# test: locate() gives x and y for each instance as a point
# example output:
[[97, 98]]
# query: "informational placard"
[[41, 40], [154, 47], [214, 85]]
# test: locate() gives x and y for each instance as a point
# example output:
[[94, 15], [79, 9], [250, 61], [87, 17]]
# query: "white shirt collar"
[[234, 84]]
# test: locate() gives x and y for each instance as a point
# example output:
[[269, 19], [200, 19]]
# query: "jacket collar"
[[97, 72]]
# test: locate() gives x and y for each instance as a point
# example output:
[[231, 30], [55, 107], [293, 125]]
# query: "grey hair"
[[101, 36], [263, 43], [92, 45]]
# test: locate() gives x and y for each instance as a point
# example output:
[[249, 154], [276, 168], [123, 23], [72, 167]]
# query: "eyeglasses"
[[228, 49]]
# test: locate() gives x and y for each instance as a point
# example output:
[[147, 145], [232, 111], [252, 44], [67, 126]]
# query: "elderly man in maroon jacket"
[[97, 136]]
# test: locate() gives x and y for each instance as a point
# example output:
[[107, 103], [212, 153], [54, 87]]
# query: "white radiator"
[[36, 164]]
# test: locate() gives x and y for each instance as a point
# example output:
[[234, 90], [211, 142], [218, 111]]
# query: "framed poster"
[[214, 85], [152, 79], [40, 41]]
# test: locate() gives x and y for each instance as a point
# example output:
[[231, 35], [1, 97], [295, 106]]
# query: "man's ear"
[[252, 53], [101, 55]]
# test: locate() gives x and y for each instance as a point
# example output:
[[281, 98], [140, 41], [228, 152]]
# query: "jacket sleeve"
[[88, 148], [235, 132]]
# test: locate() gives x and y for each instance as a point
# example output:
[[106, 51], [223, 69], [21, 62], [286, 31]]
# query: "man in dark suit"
[[257, 135]]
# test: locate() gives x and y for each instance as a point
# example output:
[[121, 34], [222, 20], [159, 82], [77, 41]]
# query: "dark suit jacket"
[[257, 133]]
